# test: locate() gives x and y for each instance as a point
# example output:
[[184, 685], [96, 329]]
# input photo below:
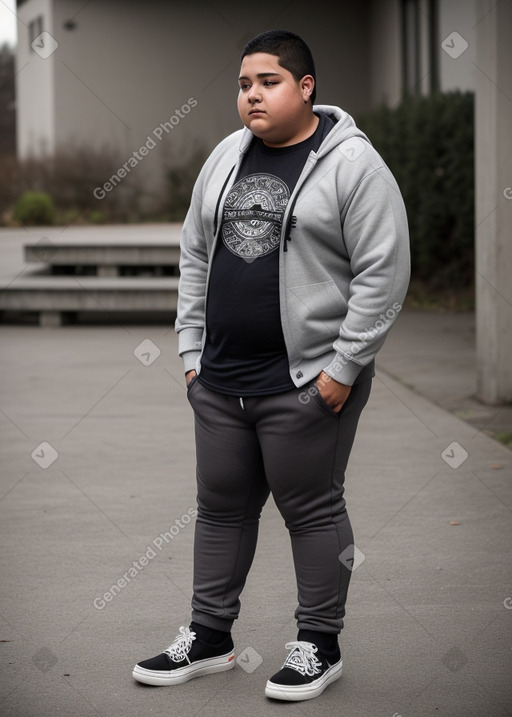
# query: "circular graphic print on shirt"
[[253, 215]]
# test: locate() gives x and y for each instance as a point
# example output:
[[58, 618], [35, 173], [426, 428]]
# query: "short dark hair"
[[293, 53]]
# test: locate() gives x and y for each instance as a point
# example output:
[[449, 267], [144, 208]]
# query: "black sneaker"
[[187, 657], [305, 674]]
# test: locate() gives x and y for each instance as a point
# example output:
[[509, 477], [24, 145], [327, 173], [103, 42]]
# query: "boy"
[[294, 265]]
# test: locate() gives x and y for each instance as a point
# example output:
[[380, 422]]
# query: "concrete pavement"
[[434, 354], [96, 498]]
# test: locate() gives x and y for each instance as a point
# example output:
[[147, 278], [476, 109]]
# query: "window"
[[410, 46], [35, 28], [420, 65], [434, 44]]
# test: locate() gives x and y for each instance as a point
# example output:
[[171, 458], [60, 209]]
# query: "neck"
[[305, 130]]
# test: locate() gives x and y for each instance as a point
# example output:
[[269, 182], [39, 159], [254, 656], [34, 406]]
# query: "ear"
[[307, 85]]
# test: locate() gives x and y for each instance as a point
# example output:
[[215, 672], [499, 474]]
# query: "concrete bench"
[[107, 256], [109, 269], [52, 297]]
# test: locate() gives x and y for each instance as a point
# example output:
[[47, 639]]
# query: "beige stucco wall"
[[494, 200], [35, 75], [385, 53], [457, 16]]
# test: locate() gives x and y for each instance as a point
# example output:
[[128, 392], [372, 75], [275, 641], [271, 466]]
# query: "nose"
[[254, 95]]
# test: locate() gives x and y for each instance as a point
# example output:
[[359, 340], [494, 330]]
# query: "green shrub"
[[96, 217], [70, 176], [428, 143], [34, 208]]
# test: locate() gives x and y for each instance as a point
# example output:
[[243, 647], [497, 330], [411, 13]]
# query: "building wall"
[[385, 53], [126, 68], [457, 71], [452, 49], [35, 74], [493, 201]]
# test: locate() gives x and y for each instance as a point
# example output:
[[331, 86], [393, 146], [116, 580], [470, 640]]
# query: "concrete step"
[[52, 296], [107, 252], [101, 254], [49, 271]]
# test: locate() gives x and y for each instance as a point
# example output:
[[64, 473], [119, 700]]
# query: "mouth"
[[256, 112]]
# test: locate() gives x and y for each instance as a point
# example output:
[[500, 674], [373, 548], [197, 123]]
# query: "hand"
[[189, 376], [334, 394]]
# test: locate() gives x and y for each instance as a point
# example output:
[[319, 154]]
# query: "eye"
[[244, 85], [269, 83]]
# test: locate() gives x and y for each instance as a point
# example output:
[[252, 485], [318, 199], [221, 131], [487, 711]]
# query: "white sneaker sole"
[[304, 692], [183, 674]]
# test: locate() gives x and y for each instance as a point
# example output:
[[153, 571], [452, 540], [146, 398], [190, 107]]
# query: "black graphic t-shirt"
[[245, 353]]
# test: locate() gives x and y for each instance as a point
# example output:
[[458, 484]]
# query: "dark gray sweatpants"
[[294, 445]]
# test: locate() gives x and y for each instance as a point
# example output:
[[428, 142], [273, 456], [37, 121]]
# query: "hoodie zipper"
[[219, 199], [291, 221], [290, 224]]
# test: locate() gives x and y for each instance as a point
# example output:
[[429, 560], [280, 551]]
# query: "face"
[[271, 102]]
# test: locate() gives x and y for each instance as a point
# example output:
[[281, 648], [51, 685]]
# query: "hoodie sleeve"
[[190, 319], [376, 236]]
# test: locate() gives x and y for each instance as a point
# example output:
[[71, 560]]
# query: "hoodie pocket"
[[321, 402], [191, 386], [316, 313]]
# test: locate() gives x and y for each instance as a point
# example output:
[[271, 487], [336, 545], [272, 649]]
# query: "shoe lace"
[[181, 646], [303, 658]]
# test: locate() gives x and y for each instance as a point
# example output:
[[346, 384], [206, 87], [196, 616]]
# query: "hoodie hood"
[[344, 128]]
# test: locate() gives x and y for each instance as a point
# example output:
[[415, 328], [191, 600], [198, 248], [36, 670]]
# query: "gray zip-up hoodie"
[[344, 254]]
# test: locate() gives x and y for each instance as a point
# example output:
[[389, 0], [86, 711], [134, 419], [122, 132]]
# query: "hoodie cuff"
[[190, 339], [343, 370], [190, 360]]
